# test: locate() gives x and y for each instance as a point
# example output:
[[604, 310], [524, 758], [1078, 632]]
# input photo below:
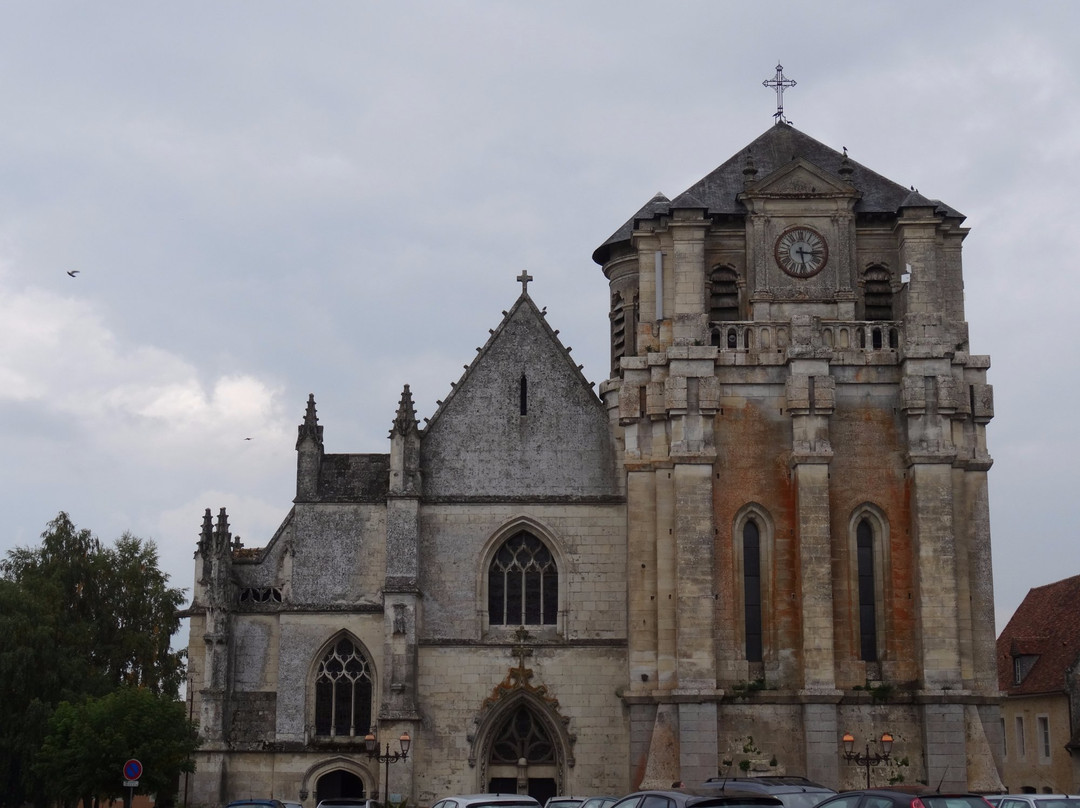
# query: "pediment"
[[801, 179]]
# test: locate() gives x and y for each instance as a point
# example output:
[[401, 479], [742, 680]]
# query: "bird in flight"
[[73, 272], [247, 438]]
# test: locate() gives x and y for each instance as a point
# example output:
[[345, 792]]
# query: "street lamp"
[[371, 746], [866, 759]]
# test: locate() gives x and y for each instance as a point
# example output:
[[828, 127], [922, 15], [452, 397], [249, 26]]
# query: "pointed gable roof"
[[1046, 626], [781, 144], [523, 422], [523, 306]]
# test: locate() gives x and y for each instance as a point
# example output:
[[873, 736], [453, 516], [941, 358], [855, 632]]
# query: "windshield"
[[803, 799], [1059, 802]]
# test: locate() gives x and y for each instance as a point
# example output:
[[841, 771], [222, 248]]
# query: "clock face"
[[801, 251]]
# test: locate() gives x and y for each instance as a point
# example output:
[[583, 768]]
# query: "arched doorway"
[[522, 758], [339, 783]]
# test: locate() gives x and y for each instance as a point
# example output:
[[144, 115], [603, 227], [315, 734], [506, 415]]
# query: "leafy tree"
[[87, 744], [77, 621]]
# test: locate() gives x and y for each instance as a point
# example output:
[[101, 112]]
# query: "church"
[[767, 530]]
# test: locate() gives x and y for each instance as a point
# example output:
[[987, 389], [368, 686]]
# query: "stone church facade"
[[768, 528]]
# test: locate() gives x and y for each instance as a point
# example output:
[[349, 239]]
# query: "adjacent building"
[[768, 527], [1038, 656]]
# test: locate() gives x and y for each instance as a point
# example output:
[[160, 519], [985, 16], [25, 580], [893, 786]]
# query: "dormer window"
[[1022, 665]]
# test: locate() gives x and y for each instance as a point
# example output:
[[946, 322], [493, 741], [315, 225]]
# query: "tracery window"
[[523, 584], [523, 736], [343, 692]]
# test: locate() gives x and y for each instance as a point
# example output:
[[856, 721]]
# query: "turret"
[[309, 454]]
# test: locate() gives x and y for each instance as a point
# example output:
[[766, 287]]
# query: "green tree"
[[77, 621], [86, 745]]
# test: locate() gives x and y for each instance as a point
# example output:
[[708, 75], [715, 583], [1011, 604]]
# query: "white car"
[[1036, 801], [488, 801]]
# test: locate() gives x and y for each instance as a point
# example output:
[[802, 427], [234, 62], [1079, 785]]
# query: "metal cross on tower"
[[524, 279], [779, 82]]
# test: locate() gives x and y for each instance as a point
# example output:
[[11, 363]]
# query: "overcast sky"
[[268, 199]]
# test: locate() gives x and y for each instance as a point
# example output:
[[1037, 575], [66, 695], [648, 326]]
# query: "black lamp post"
[[866, 759], [371, 746]]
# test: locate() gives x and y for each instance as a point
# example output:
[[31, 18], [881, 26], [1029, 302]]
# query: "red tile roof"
[[1046, 625]]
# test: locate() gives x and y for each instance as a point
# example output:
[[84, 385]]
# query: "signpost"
[[132, 772]]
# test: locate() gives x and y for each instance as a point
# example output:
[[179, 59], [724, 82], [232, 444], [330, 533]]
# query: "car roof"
[[511, 799]]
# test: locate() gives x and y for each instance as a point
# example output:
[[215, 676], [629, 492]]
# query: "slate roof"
[[781, 144], [1046, 625]]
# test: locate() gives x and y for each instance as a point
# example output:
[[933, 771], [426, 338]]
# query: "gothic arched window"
[[523, 584], [343, 692], [868, 640], [752, 537], [523, 736], [877, 293], [723, 294], [751, 540]]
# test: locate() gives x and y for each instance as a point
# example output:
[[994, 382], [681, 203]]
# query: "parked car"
[[488, 801], [1035, 800], [267, 803], [292, 804], [793, 791], [697, 798], [599, 802], [349, 802], [564, 802], [903, 798]]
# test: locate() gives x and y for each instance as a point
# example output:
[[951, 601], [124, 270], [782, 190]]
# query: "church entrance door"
[[339, 783], [523, 759]]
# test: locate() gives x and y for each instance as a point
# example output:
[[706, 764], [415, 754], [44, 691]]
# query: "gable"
[[801, 178], [491, 439]]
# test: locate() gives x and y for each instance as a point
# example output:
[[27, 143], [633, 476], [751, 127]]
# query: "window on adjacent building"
[[343, 692], [1042, 729], [523, 584], [1022, 665], [1004, 740], [1021, 747]]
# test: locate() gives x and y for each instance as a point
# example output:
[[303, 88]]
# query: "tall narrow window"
[[523, 584], [724, 294], [1042, 728], [523, 395], [877, 293], [1021, 746], [343, 692], [867, 592], [752, 590]]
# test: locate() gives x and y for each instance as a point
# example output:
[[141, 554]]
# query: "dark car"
[[604, 801], [268, 803], [903, 798], [794, 792], [697, 798]]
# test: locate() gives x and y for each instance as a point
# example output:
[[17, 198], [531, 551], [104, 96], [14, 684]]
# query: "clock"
[[801, 251]]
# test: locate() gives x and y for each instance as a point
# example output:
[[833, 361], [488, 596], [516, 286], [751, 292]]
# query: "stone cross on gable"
[[520, 650], [524, 279], [780, 83]]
